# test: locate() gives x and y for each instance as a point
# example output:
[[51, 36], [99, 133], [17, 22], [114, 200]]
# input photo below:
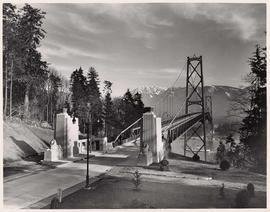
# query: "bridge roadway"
[[181, 121], [182, 124]]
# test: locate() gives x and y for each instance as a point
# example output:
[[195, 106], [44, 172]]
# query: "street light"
[[88, 122]]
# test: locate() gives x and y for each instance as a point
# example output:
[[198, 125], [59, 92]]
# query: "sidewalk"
[[37, 190], [25, 191]]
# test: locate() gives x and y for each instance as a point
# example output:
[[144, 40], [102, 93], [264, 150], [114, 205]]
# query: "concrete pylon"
[[153, 147], [66, 133]]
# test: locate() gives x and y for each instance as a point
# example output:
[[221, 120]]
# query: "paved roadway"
[[36, 190], [181, 121]]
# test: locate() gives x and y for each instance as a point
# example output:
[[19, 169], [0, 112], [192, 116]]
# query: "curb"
[[45, 203]]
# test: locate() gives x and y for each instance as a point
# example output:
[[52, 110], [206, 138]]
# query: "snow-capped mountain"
[[222, 97], [151, 91]]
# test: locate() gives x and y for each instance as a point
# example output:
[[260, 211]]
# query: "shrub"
[[137, 179], [224, 165], [55, 203], [164, 165], [251, 190], [196, 157], [242, 199], [164, 162]]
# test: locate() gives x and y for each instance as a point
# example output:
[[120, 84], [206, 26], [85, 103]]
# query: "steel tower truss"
[[195, 96]]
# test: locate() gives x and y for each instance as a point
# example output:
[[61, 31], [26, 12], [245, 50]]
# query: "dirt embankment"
[[21, 141]]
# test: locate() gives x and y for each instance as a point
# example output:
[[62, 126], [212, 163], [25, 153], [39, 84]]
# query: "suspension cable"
[[177, 113], [193, 80], [126, 129], [178, 77]]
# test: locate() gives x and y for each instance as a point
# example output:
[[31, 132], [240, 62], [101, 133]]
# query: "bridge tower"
[[195, 98]]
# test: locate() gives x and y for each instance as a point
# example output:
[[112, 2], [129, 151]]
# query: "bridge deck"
[[183, 123], [180, 121]]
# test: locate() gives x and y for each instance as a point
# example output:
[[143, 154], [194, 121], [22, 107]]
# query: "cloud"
[[136, 20], [170, 70], [58, 50], [164, 22], [241, 19], [85, 24], [141, 44]]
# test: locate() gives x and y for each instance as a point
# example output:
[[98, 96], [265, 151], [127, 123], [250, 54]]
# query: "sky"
[[137, 45]]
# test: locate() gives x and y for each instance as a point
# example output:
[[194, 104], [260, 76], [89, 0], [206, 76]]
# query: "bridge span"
[[157, 134]]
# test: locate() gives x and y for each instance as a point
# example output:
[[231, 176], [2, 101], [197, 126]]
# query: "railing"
[[189, 121], [167, 122], [123, 131], [168, 125]]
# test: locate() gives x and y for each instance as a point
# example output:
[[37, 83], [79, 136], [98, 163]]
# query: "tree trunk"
[[26, 102], [6, 88], [48, 103], [47, 113], [10, 91], [51, 116]]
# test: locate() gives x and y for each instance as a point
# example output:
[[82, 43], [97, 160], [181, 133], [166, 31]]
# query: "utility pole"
[[88, 124]]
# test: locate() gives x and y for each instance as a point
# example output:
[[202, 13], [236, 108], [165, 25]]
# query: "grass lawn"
[[118, 193]]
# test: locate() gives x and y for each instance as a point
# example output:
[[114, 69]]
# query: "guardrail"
[[123, 131]]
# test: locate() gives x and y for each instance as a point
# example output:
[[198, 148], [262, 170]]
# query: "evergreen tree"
[[25, 74], [94, 98], [53, 85], [10, 20], [79, 90], [229, 139], [139, 106], [109, 114], [253, 130], [128, 109], [12, 56], [128, 98], [30, 33], [119, 115], [93, 84], [78, 87]]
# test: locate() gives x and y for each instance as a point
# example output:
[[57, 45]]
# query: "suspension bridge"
[[166, 121]]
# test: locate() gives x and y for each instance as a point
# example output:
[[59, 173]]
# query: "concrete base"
[[145, 159], [55, 153]]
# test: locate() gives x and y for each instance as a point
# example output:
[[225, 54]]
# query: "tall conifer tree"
[[94, 98], [79, 91], [253, 130], [109, 115], [30, 33]]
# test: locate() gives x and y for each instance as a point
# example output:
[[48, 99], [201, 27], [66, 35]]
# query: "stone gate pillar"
[[66, 133], [153, 151]]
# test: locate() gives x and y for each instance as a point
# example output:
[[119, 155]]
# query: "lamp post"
[[88, 122]]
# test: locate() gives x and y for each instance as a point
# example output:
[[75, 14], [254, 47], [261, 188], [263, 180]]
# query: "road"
[[31, 190]]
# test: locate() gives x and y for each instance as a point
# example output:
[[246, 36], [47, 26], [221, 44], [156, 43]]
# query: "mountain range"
[[169, 101]]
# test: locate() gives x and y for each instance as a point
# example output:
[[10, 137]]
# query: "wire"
[[182, 106], [178, 77]]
